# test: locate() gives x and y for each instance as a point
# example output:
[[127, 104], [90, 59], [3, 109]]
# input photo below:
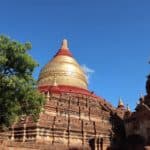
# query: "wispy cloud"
[[88, 71]]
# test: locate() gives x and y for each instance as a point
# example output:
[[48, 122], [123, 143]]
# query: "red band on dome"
[[65, 52]]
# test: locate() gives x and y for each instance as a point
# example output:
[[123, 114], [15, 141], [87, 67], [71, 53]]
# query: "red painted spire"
[[64, 50]]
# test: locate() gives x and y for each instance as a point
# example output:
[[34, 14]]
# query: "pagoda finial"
[[64, 50], [141, 95], [120, 103], [138, 102], [64, 44], [128, 108]]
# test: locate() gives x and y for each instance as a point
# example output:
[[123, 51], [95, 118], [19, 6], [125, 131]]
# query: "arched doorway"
[[96, 143]]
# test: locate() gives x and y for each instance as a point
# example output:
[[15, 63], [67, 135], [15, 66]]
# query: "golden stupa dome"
[[63, 70]]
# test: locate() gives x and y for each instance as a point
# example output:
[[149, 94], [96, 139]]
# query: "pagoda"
[[72, 116], [137, 124]]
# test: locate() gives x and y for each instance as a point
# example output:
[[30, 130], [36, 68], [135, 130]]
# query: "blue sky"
[[112, 37]]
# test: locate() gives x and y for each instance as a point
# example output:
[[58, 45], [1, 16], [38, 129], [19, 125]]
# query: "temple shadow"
[[135, 142]]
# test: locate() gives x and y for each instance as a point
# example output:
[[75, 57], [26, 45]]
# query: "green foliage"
[[18, 94]]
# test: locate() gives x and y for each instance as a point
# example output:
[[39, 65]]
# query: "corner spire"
[[120, 103], [128, 108], [64, 44]]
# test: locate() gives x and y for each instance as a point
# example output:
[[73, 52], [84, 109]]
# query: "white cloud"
[[88, 71]]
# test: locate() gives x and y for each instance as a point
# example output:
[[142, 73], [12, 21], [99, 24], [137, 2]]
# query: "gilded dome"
[[63, 70]]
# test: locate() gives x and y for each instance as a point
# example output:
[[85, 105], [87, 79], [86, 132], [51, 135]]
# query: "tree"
[[18, 93]]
